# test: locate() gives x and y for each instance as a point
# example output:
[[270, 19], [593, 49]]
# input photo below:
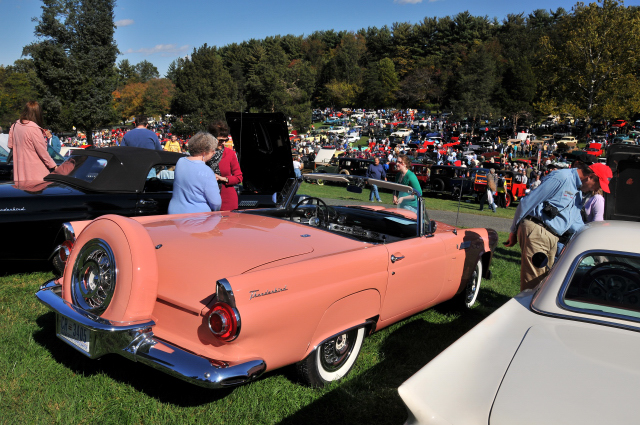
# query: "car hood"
[[571, 373], [262, 144], [198, 249]]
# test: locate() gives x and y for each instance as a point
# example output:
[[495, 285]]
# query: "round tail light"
[[224, 321], [65, 250]]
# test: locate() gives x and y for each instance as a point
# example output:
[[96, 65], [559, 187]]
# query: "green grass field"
[[42, 380]]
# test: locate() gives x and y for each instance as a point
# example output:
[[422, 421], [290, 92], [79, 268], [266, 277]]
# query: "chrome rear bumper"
[[135, 340]]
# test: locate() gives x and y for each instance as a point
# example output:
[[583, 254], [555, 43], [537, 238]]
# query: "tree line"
[[584, 62]]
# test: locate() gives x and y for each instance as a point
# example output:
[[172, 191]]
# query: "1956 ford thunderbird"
[[218, 298]]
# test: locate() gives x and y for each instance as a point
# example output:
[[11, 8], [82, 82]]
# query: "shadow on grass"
[[511, 255], [372, 397], [154, 383]]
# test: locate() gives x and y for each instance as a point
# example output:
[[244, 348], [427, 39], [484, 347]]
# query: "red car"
[[619, 124], [594, 149]]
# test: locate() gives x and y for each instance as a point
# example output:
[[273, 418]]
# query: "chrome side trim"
[[69, 233], [135, 341], [224, 292], [584, 319], [420, 217], [368, 322]]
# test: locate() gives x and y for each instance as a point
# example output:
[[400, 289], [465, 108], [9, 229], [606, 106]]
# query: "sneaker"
[[379, 200]]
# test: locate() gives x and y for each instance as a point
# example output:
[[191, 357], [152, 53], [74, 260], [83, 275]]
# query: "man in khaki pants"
[[550, 211]]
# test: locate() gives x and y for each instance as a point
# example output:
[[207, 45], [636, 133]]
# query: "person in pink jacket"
[[31, 161]]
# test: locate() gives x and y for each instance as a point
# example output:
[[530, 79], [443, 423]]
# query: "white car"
[[352, 138], [337, 130], [402, 132], [563, 353]]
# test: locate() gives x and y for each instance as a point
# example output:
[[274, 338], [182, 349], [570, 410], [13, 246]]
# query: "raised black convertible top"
[[126, 170]]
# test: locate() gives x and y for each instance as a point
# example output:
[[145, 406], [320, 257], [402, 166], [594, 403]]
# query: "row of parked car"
[[447, 180]]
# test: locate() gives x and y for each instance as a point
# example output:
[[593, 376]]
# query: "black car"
[[451, 180], [136, 182]]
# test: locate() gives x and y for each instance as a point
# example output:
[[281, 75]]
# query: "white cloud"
[[163, 49], [124, 23]]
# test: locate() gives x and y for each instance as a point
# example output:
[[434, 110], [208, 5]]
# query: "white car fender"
[[478, 360]]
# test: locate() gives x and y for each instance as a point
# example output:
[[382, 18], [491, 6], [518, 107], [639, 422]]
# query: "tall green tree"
[[204, 91], [18, 85], [474, 86], [74, 58], [146, 71], [126, 73], [379, 84], [422, 88], [267, 85], [589, 64]]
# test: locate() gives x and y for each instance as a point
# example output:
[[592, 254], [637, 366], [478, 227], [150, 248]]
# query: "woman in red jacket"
[[225, 166]]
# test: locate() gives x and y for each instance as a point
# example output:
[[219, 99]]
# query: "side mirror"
[[539, 260], [433, 226]]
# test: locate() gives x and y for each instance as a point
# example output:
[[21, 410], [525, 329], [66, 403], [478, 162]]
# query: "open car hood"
[[261, 142], [623, 203]]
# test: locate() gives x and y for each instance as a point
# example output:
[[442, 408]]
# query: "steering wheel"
[[613, 284], [314, 218]]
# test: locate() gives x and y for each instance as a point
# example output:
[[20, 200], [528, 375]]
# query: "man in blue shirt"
[[376, 171], [141, 137], [550, 211]]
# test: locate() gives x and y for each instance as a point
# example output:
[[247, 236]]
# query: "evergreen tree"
[[204, 91], [75, 60]]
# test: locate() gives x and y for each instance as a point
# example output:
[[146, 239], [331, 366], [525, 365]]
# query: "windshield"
[[82, 167]]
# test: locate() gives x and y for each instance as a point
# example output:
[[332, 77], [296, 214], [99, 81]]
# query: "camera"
[[550, 210]]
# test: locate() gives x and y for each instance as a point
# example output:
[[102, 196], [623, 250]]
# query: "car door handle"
[[149, 202], [394, 258]]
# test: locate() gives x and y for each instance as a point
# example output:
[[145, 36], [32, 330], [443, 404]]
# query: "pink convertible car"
[[219, 298]]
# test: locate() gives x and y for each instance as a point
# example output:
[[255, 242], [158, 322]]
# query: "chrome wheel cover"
[[472, 287], [335, 352], [93, 280]]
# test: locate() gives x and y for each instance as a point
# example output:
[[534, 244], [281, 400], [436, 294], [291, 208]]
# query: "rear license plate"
[[74, 333]]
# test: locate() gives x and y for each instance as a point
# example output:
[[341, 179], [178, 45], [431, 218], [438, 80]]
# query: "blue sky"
[[160, 31]]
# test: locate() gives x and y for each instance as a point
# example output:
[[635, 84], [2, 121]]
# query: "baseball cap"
[[604, 174]]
